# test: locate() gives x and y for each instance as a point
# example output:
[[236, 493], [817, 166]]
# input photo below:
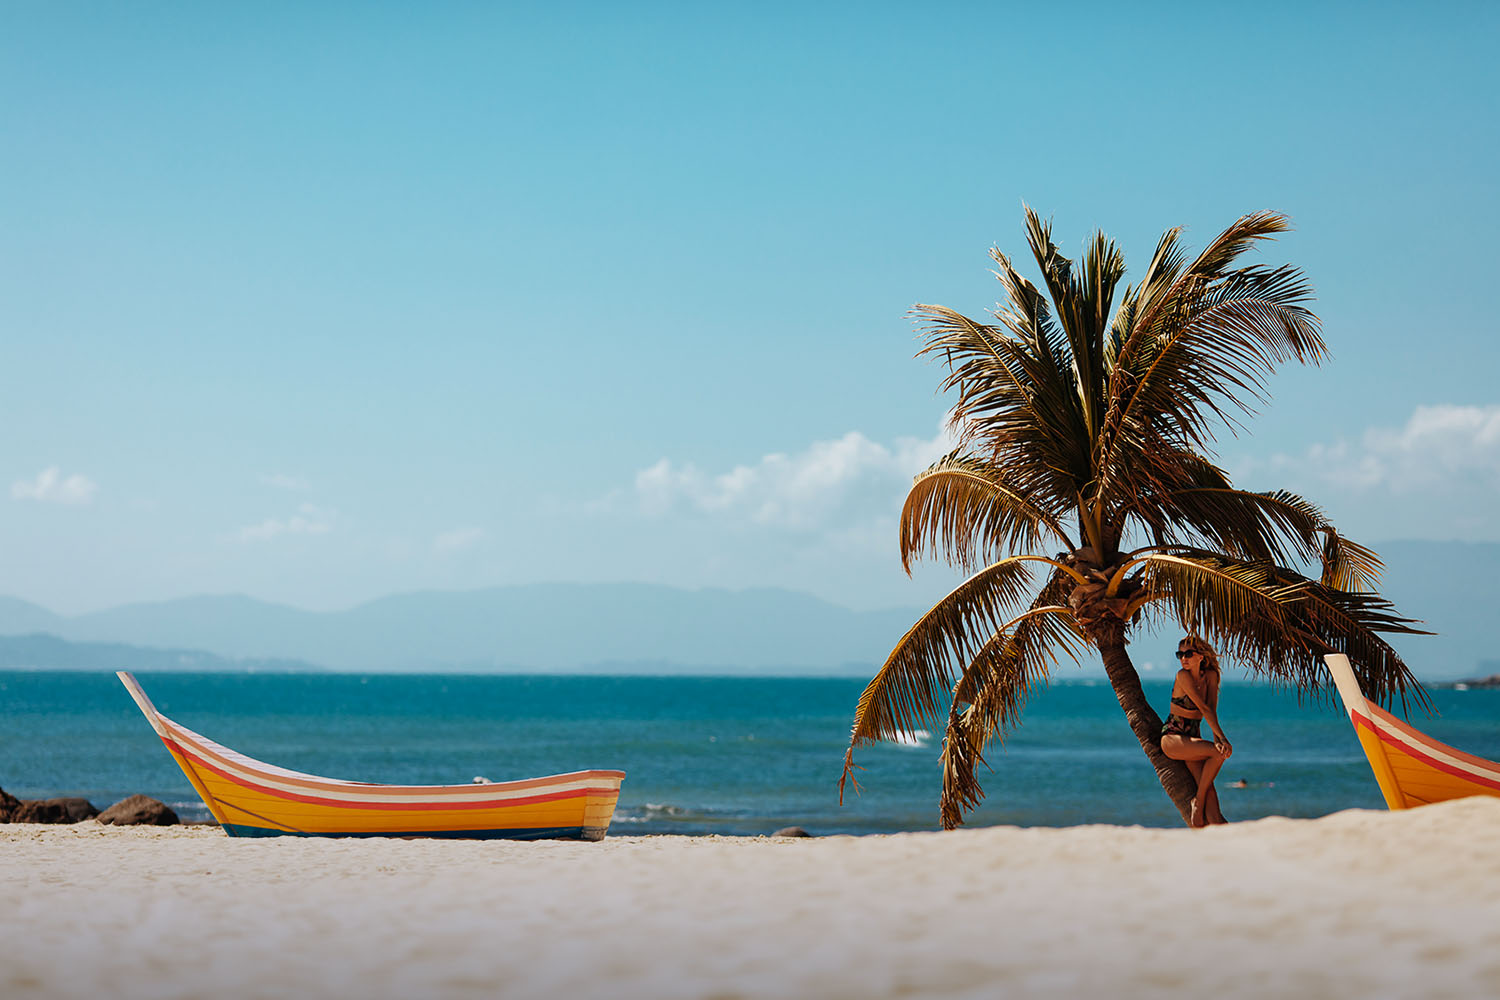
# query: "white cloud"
[[50, 486], [459, 538], [1434, 475], [1440, 447], [309, 520], [281, 481], [836, 483]]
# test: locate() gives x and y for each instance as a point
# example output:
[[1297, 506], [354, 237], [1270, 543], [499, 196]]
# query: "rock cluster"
[[54, 811], [134, 811]]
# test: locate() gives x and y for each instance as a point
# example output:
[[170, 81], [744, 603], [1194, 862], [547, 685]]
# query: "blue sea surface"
[[702, 755]]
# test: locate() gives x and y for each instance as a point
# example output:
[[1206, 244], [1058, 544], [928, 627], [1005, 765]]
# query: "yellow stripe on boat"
[[249, 797], [1411, 768]]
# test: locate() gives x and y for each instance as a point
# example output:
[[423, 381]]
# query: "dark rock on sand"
[[8, 805], [791, 831], [54, 811], [138, 810]]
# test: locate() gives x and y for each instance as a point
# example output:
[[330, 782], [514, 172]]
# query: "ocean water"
[[702, 755]]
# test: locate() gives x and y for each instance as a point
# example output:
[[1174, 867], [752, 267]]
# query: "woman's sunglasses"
[[1185, 653]]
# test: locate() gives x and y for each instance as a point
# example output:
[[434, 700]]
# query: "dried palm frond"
[[962, 506], [1007, 668], [905, 694]]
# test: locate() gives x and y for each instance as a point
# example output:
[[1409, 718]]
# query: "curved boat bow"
[[1412, 768]]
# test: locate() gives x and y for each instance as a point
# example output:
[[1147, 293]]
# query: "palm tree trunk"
[[1176, 780]]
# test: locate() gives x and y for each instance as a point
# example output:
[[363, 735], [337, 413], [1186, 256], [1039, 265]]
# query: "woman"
[[1195, 697]]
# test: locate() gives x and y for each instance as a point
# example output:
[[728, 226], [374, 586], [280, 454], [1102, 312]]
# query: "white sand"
[[1358, 904]]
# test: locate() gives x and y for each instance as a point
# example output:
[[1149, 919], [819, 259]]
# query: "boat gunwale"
[[1421, 746], [207, 755]]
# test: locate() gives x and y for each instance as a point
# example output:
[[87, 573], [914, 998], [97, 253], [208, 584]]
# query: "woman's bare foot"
[[1196, 819]]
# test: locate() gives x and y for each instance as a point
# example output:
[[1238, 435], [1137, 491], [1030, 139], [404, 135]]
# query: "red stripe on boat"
[[1419, 737], [1439, 765]]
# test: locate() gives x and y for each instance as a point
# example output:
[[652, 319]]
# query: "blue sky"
[[322, 302]]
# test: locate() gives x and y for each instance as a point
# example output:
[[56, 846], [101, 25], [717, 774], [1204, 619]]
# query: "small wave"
[[914, 738], [193, 811], [651, 812]]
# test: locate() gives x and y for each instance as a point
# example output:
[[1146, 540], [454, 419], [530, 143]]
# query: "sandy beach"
[[1354, 904]]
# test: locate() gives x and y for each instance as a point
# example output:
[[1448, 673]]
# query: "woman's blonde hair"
[[1197, 644]]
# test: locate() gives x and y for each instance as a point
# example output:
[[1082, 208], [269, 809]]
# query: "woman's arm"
[[1196, 694], [1213, 699]]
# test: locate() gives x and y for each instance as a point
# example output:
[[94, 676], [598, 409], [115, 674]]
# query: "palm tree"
[[1086, 430]]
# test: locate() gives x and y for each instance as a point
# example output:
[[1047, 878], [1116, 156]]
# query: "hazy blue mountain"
[[47, 652], [545, 627], [633, 627], [230, 625], [18, 617]]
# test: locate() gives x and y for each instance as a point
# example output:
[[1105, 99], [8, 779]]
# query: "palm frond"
[[1028, 315], [1176, 283], [1332, 620], [1202, 348], [905, 693], [1014, 403], [1280, 624], [988, 699], [1208, 592], [962, 507], [1347, 565], [1162, 272], [1278, 526], [1084, 301]]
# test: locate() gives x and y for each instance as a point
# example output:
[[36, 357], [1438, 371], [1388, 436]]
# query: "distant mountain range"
[[634, 628], [48, 652], [617, 628]]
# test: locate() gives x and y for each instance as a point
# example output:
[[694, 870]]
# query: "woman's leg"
[[1203, 760], [1187, 748], [1211, 767], [1215, 814], [1211, 812]]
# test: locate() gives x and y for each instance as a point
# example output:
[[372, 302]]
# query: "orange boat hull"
[[1412, 768], [250, 798]]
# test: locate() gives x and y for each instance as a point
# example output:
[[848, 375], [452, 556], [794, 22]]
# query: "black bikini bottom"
[[1177, 725]]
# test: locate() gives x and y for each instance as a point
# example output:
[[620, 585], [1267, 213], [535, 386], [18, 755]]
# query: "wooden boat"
[[1412, 768], [253, 799]]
